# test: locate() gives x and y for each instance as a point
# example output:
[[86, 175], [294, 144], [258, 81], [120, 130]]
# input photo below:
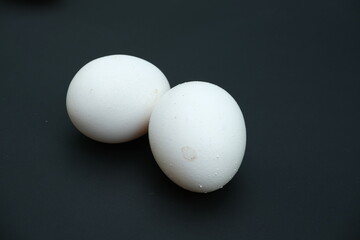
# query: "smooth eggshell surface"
[[197, 136], [111, 98]]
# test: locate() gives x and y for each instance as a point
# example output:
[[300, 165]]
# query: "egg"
[[111, 98], [197, 136]]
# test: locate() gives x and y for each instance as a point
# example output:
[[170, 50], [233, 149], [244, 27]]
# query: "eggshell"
[[197, 135], [111, 98]]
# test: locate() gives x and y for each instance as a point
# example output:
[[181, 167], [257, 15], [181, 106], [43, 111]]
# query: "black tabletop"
[[292, 66]]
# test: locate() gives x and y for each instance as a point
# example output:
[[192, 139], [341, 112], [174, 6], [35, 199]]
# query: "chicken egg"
[[111, 98], [197, 136]]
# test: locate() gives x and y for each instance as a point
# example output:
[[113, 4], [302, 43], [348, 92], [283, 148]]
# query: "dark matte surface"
[[293, 67]]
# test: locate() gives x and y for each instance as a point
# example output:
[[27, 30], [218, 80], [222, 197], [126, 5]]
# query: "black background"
[[293, 67]]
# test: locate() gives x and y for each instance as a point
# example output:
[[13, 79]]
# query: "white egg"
[[197, 135], [111, 98]]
